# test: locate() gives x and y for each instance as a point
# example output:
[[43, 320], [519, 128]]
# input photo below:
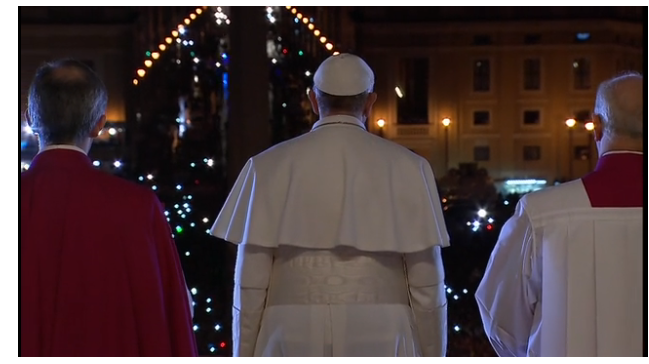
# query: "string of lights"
[[154, 55], [222, 18], [308, 22]]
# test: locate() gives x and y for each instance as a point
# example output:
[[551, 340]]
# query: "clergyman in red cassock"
[[99, 270]]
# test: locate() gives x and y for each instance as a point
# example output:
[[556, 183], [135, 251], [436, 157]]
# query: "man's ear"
[[99, 126], [314, 102], [371, 99], [598, 128], [27, 118]]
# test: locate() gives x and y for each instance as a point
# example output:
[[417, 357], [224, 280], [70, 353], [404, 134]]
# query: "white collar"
[[338, 119], [62, 146], [622, 151]]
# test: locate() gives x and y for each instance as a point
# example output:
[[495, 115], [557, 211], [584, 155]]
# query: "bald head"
[[620, 106], [66, 101]]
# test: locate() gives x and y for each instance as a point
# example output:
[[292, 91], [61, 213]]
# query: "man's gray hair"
[[66, 99], [621, 115], [349, 104]]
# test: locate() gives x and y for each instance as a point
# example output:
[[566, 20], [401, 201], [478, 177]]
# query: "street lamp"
[[590, 126], [380, 123], [570, 123], [446, 122]]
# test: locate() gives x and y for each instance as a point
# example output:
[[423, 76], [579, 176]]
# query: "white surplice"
[[558, 271], [339, 235]]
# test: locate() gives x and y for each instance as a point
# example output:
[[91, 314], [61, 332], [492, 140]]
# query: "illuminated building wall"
[[103, 47], [507, 88]]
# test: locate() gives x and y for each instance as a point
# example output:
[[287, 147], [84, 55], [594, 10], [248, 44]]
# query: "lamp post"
[[380, 123], [590, 126], [570, 123], [446, 122]]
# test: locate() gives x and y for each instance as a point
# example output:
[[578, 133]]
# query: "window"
[[481, 154], [531, 117], [582, 153], [412, 103], [582, 37], [581, 74], [481, 40], [531, 153], [582, 116], [481, 118], [482, 75], [532, 74], [532, 39]]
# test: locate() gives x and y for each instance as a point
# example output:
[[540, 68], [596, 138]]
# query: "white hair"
[[621, 115]]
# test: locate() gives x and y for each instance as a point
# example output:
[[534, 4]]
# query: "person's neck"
[[334, 113], [621, 145], [84, 146]]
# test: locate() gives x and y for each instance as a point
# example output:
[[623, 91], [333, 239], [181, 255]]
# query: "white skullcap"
[[344, 75]]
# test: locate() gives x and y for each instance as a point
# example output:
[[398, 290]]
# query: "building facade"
[[496, 94]]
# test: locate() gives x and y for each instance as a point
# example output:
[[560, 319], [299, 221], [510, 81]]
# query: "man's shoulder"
[[320, 142], [560, 199], [123, 189]]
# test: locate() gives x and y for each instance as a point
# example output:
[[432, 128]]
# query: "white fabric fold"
[[559, 269], [337, 185], [301, 302]]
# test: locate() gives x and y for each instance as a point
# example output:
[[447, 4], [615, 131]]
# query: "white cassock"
[[339, 235], [564, 278]]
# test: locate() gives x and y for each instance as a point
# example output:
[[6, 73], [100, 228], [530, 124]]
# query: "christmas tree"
[[180, 135]]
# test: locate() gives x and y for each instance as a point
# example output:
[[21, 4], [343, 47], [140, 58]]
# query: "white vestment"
[[565, 279], [339, 235]]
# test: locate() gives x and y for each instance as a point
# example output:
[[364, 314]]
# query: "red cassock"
[[99, 270]]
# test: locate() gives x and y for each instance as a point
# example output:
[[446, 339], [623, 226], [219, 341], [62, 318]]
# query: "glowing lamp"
[[589, 126]]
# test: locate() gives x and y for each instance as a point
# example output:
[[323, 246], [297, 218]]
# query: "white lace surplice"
[[338, 303]]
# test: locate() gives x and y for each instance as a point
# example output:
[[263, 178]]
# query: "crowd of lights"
[[452, 294], [183, 219], [482, 218]]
